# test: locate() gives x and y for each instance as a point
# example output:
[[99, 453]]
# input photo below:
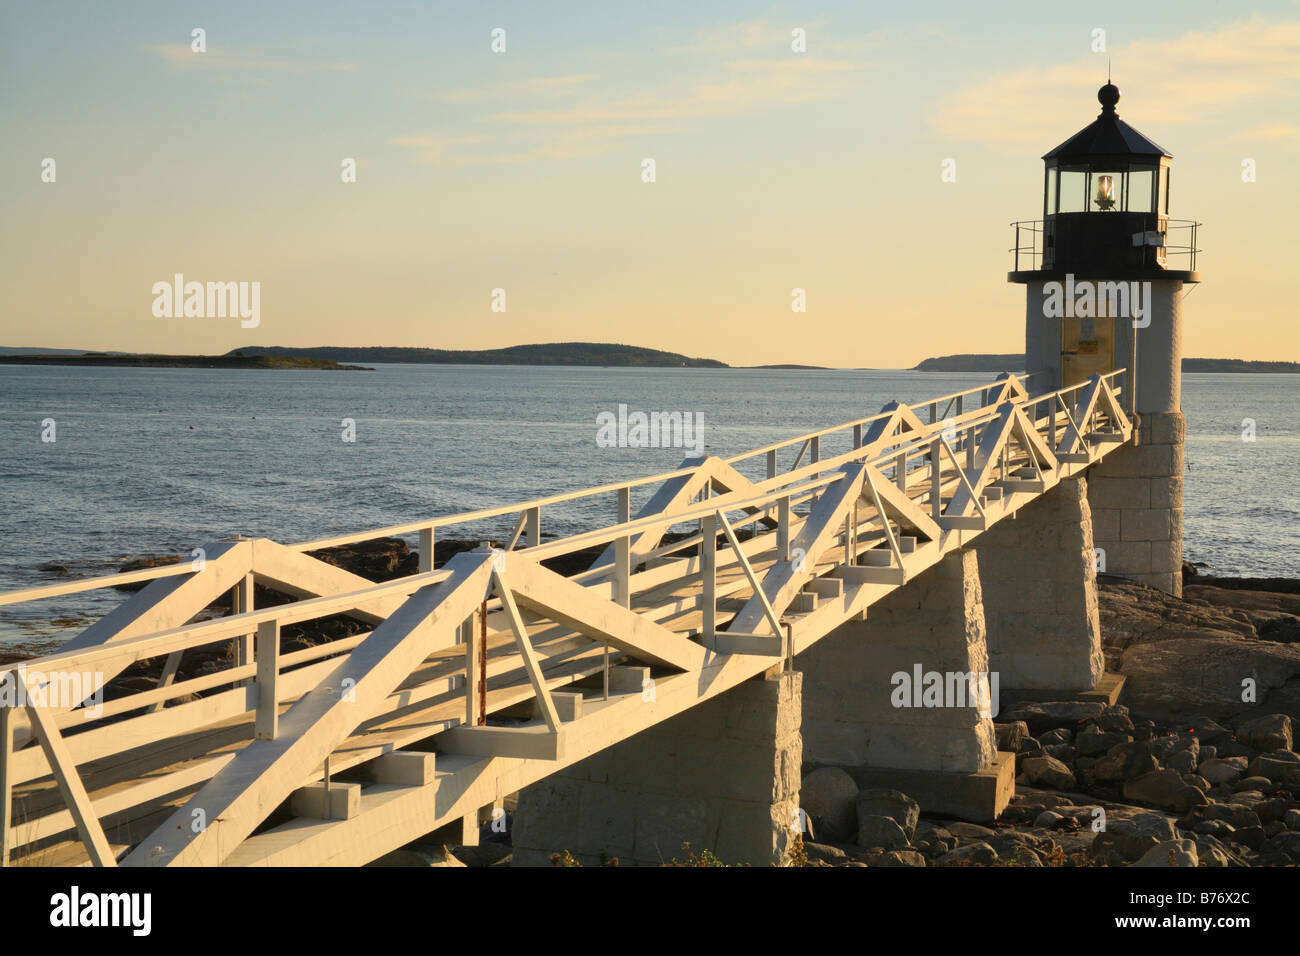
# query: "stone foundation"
[[850, 688], [1040, 594], [1136, 494], [723, 776]]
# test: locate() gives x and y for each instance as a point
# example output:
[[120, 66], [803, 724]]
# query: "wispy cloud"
[[1193, 78], [745, 37], [536, 86], [1267, 133], [594, 120], [244, 61]]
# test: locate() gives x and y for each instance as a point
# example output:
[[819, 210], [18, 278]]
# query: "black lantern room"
[[1106, 209]]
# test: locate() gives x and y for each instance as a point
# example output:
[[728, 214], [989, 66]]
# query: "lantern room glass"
[[1110, 188], [1072, 194], [1141, 182]]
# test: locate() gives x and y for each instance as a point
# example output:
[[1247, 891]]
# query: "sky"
[[522, 170]]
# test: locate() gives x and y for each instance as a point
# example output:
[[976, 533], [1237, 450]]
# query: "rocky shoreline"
[[1198, 767]]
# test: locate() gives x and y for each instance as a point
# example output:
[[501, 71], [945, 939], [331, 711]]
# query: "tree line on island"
[[589, 354], [552, 353]]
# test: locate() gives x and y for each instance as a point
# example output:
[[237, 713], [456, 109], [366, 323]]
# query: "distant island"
[[181, 361], [552, 353], [1015, 362]]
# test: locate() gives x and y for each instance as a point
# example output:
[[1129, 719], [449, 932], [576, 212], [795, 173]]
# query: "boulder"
[[890, 803], [486, 853], [1163, 788], [1064, 713], [1129, 838], [1252, 837], [901, 858], [1061, 752], [972, 854], [875, 830], [829, 796], [1055, 738], [1222, 769], [1011, 735], [1266, 734], [935, 834], [1047, 819], [823, 853], [1211, 854], [1286, 843], [1100, 742], [1202, 673], [1180, 852], [1007, 842], [1114, 720], [1048, 772], [1275, 810], [970, 832], [1164, 747], [1215, 828], [1278, 766], [1207, 730], [1124, 762]]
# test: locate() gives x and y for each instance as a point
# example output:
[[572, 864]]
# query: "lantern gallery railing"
[[474, 680], [1175, 245]]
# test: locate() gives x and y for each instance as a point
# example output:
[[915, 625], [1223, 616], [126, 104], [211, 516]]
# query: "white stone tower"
[[1104, 271]]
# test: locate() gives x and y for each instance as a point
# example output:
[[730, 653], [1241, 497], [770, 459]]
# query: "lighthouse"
[[1105, 271]]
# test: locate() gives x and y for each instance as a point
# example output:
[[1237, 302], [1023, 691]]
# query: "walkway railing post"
[[467, 637], [709, 577], [482, 663], [534, 532], [268, 672], [6, 779], [936, 488], [426, 549], [783, 528], [622, 574], [241, 602]]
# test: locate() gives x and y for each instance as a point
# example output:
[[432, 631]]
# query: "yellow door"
[[1087, 348]]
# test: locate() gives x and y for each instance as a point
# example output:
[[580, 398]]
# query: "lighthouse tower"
[[1104, 272]]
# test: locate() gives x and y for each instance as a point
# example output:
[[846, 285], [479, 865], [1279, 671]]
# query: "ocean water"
[[159, 461]]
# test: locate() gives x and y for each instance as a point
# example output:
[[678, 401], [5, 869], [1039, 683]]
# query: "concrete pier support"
[[723, 776], [1040, 594], [864, 710], [1137, 504]]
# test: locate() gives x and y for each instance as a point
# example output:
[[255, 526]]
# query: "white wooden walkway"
[[483, 676]]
